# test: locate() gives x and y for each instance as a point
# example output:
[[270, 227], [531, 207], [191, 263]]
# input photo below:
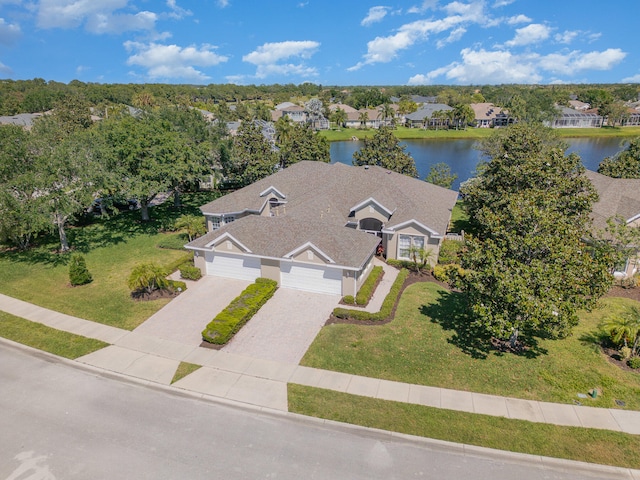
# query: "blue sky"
[[328, 42]]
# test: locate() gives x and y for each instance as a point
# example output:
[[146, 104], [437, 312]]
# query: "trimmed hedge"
[[189, 272], [366, 290], [227, 323], [401, 263], [387, 306]]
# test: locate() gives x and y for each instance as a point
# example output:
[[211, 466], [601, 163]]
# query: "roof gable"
[[369, 201], [311, 246], [227, 237]]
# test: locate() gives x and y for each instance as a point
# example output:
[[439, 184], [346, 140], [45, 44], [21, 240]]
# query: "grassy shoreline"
[[404, 133]]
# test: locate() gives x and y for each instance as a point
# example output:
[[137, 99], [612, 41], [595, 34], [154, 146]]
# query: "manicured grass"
[[183, 370], [404, 133], [111, 248], [460, 218], [431, 342], [574, 443], [37, 335]]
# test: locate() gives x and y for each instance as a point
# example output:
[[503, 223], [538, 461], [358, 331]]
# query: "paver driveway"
[[284, 327], [183, 318]]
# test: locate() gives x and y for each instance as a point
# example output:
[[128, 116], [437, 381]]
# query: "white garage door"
[[311, 278], [234, 266]]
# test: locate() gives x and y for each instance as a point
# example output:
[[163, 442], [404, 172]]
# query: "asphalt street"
[[59, 421]]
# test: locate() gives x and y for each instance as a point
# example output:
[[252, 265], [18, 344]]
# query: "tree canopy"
[[529, 269], [625, 164], [384, 150]]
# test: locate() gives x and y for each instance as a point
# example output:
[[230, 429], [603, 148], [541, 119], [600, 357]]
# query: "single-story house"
[[570, 118], [317, 227], [485, 114], [618, 197], [423, 117]]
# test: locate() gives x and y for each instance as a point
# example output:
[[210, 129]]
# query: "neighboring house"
[[298, 114], [485, 114], [354, 121], [578, 105], [618, 197], [316, 226], [422, 117], [570, 118]]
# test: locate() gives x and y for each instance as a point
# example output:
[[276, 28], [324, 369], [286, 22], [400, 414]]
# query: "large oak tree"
[[529, 269]]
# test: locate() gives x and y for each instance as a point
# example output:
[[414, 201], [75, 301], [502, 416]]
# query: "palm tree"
[[385, 111], [193, 225], [464, 114], [147, 277], [420, 256], [339, 117], [625, 329], [363, 118]]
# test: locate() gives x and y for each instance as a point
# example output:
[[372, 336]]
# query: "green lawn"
[[47, 339], [582, 444], [404, 133], [111, 248], [429, 343]]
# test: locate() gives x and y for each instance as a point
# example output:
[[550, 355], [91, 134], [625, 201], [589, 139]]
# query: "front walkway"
[[263, 383]]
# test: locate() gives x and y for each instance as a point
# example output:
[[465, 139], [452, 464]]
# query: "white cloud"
[[274, 52], [503, 66], [633, 79], [177, 12], [502, 3], [426, 5], [269, 58], [376, 14], [533, 33], [172, 61], [223, 3], [97, 16], [518, 19], [5, 70], [566, 37], [383, 49], [9, 32], [454, 36]]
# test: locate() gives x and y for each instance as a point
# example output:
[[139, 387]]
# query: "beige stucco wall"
[[228, 246], [370, 210], [390, 243], [303, 257], [348, 283], [270, 268], [200, 262]]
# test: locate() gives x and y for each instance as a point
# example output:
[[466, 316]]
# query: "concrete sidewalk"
[[263, 383]]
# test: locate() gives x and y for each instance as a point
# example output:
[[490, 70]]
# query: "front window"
[[215, 223], [405, 242]]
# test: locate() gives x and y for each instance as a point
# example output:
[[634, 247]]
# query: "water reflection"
[[463, 156]]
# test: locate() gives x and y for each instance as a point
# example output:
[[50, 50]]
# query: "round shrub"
[[147, 277], [449, 252], [634, 362], [78, 272], [189, 272], [349, 299]]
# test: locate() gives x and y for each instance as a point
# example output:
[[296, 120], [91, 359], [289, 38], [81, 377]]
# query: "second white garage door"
[[231, 266], [311, 278]]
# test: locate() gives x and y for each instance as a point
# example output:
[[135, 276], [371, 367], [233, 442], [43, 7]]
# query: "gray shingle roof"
[[426, 111], [327, 192], [278, 236], [618, 196]]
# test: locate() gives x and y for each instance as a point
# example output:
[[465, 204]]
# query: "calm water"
[[462, 156]]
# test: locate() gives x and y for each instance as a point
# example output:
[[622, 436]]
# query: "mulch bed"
[[155, 295], [617, 291]]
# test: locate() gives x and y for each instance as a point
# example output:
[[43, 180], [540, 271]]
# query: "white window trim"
[[411, 243]]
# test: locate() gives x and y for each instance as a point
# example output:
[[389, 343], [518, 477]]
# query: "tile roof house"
[[485, 114], [618, 197], [316, 226]]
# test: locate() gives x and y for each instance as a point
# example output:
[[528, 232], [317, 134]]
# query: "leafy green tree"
[[147, 277], [303, 144], [615, 113], [22, 213], [529, 269], [253, 156], [193, 225], [78, 272], [384, 150], [463, 114], [624, 164], [67, 173], [406, 105], [440, 174]]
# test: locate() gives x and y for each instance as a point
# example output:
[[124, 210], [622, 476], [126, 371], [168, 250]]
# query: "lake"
[[462, 156]]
